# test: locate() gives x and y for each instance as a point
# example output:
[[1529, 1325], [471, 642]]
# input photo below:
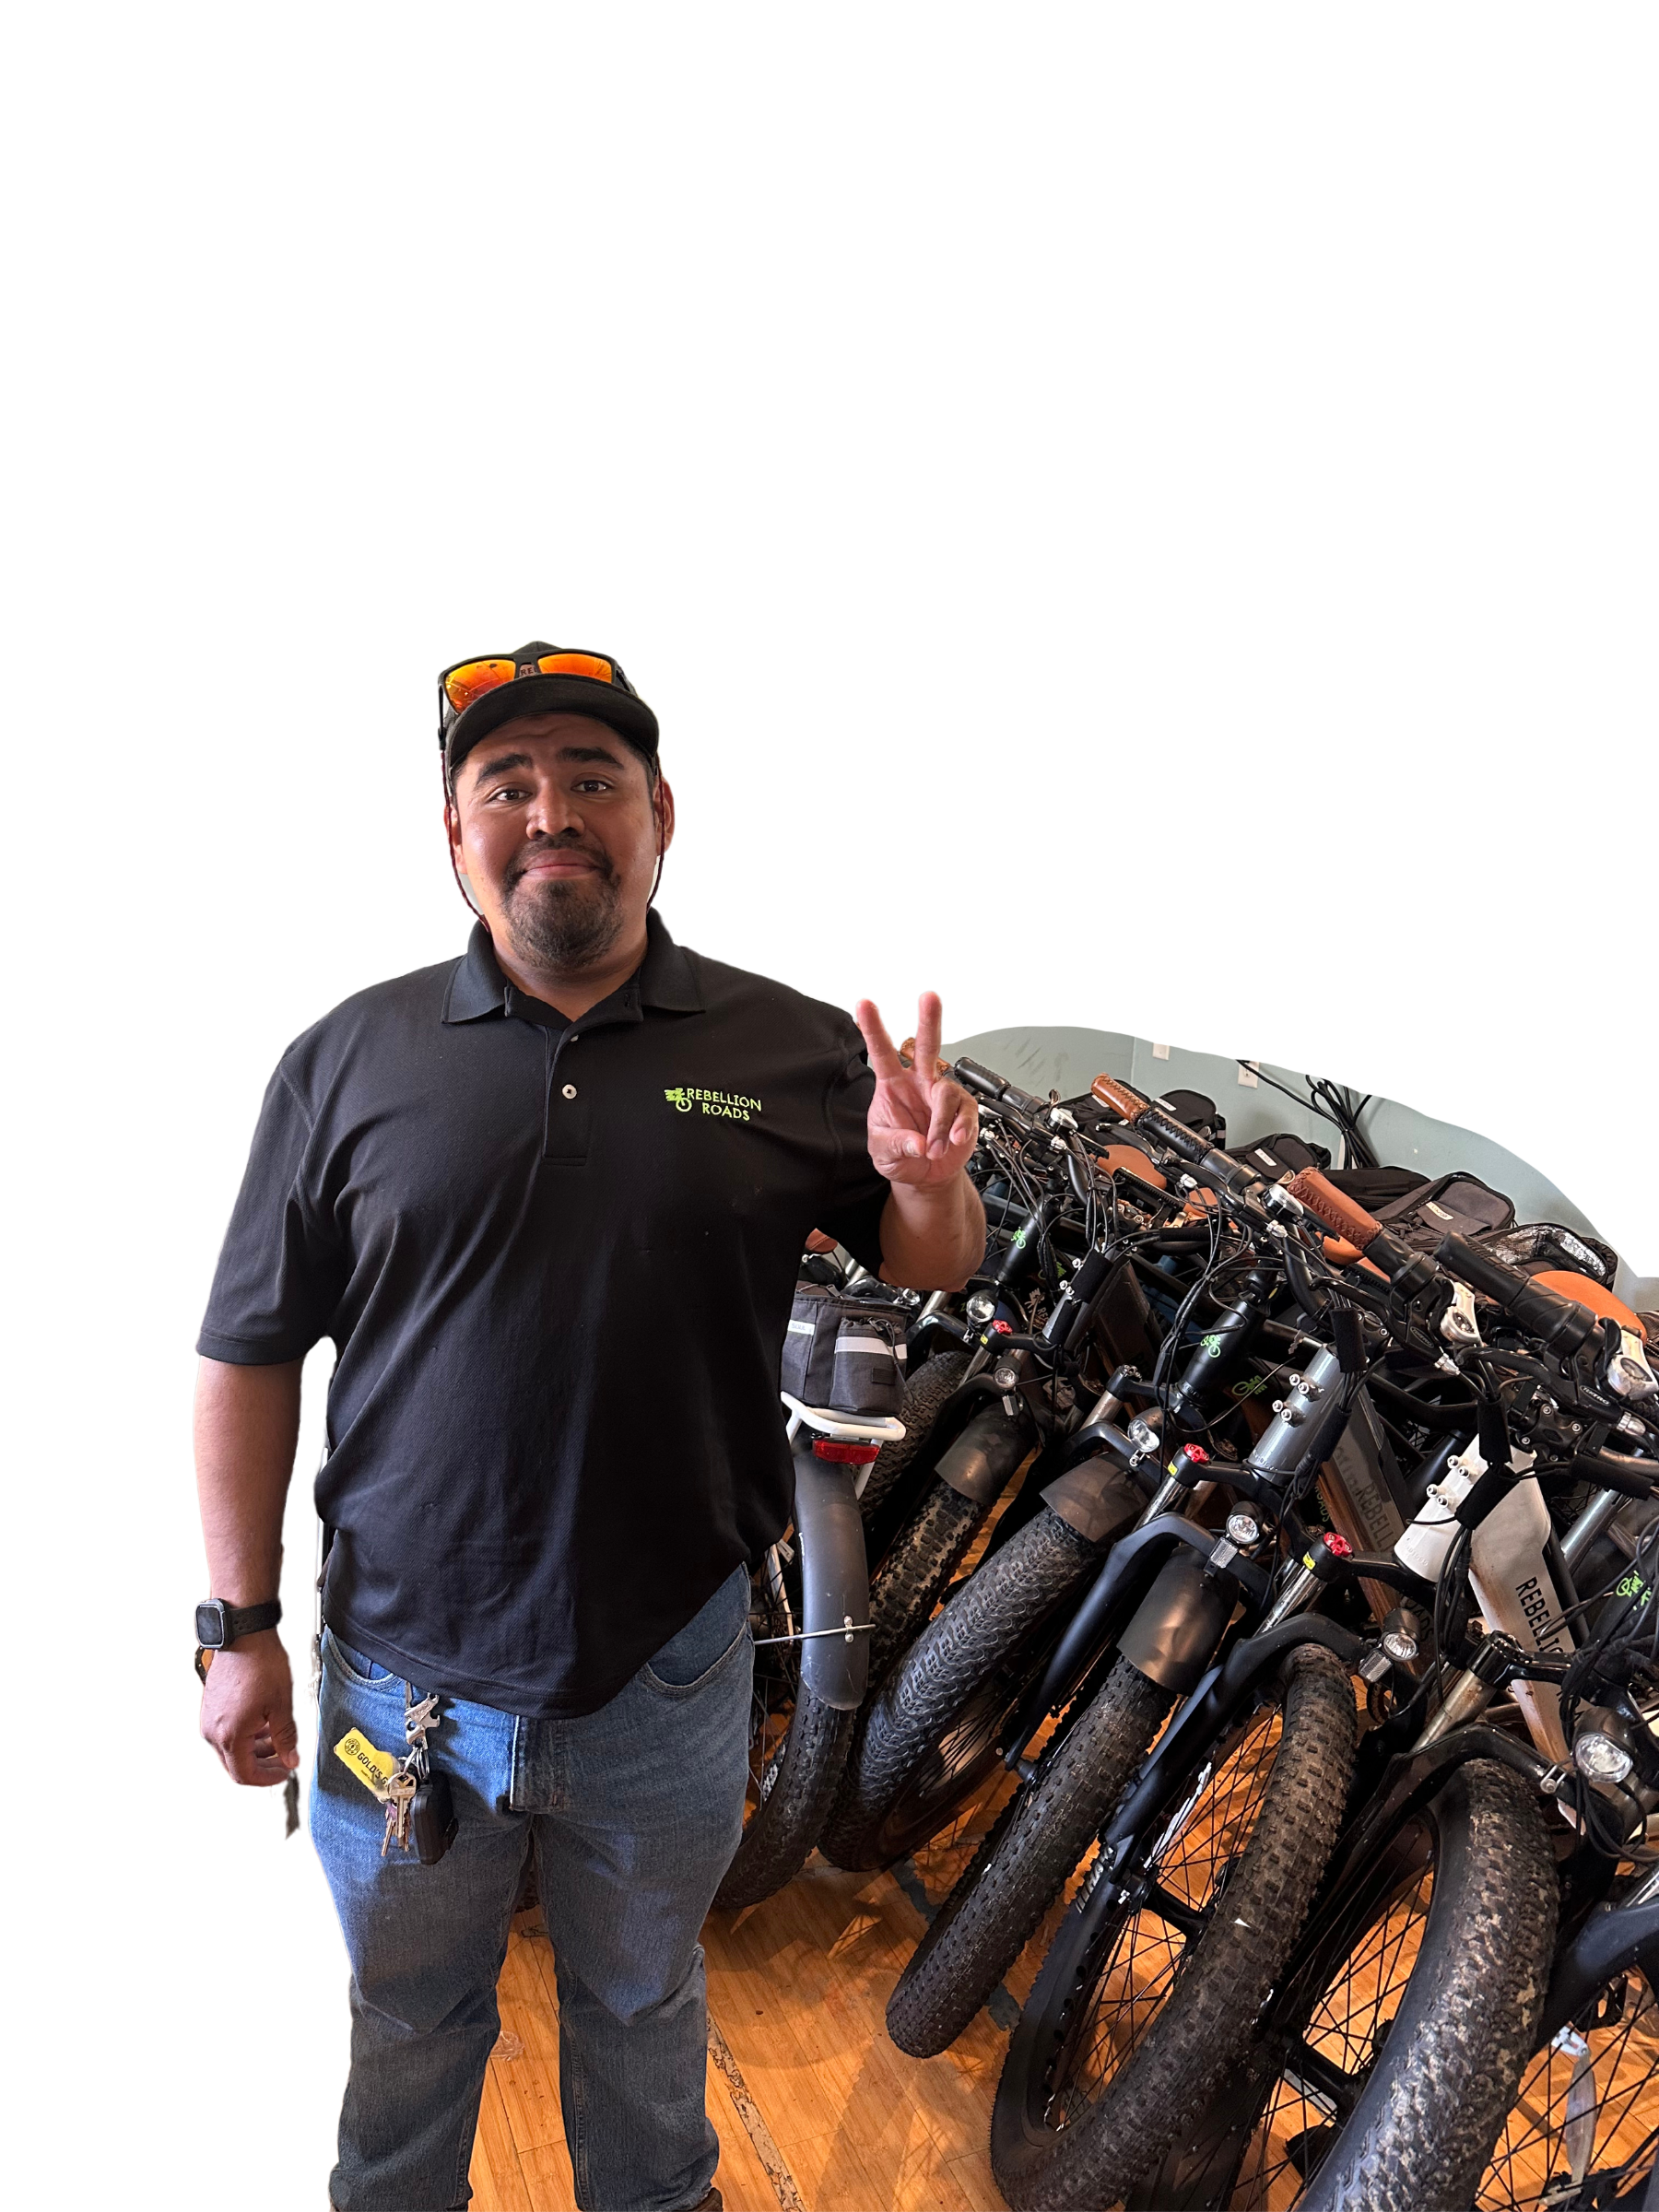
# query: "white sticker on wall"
[[1160, 1052], [1247, 1073]]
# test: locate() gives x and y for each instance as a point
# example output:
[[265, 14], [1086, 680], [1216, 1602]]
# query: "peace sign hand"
[[922, 1129]]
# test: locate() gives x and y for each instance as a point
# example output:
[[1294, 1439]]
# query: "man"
[[547, 1201]]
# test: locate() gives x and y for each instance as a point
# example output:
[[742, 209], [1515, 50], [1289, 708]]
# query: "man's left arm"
[[921, 1132]]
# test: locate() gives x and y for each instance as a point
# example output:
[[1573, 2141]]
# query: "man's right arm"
[[247, 1423]]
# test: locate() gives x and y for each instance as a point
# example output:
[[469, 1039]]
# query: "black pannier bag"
[[1457, 1206], [1282, 1154], [1534, 1247], [846, 1353], [1376, 1188]]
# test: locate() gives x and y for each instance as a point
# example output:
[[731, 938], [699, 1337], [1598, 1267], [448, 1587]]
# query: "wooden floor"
[[815, 2109]]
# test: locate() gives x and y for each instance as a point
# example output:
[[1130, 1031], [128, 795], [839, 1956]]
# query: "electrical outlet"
[[1160, 1052], [1247, 1073]]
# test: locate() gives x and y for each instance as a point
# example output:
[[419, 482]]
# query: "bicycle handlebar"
[[1351, 1222], [1564, 1325], [995, 1087], [1334, 1208], [1154, 1121]]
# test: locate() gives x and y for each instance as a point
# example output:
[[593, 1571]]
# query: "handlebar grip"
[[1175, 1137], [1563, 1323], [1334, 1208], [994, 1086], [1119, 1096]]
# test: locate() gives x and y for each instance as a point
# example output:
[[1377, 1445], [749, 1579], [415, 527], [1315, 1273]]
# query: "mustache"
[[566, 841]]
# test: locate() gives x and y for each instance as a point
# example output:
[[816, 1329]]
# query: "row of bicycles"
[[1286, 1580]]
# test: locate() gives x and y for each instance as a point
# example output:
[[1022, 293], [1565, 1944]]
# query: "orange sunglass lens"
[[472, 679], [575, 663]]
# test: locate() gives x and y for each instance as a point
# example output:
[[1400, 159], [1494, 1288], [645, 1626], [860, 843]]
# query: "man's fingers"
[[883, 1052], [929, 1015], [952, 1109]]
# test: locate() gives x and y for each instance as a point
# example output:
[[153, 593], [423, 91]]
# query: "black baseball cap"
[[477, 696]]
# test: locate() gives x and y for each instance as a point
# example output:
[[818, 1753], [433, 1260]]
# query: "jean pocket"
[[354, 1667], [697, 1653]]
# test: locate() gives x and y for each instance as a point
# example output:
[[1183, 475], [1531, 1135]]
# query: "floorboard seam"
[[765, 2145]]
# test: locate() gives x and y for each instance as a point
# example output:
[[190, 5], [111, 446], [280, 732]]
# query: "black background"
[[865, 806]]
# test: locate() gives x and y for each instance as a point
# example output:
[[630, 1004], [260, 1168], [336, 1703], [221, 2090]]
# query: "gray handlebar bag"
[[847, 1354]]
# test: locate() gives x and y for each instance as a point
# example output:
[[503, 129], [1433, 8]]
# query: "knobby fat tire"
[[957, 1656], [915, 1575], [1021, 1866], [925, 1396], [784, 1828], [1223, 1979], [1446, 2075]]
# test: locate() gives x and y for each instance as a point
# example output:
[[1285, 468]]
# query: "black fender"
[[1097, 1498], [1132, 1566], [1613, 1938], [1177, 1626], [835, 1582], [986, 1453], [1216, 1701]]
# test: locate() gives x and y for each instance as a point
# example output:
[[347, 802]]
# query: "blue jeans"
[[636, 1810]]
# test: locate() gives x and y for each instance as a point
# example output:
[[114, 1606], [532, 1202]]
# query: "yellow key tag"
[[374, 1768]]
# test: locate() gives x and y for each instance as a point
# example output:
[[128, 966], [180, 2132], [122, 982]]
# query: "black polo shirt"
[[556, 1260]]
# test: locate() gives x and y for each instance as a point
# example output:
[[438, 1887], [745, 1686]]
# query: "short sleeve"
[[852, 1214], [280, 1277]]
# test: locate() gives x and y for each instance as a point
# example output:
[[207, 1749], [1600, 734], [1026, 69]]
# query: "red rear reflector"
[[847, 1456]]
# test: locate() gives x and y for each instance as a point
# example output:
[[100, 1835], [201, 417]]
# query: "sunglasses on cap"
[[469, 680]]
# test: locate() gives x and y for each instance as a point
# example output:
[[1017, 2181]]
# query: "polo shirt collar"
[[662, 980]]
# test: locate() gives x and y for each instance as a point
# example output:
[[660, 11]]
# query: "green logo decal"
[[729, 1105], [1212, 1345], [1632, 1586]]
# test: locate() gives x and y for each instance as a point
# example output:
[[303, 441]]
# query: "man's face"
[[554, 824]]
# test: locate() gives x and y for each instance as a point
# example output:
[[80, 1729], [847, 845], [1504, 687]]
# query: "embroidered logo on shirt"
[[729, 1104]]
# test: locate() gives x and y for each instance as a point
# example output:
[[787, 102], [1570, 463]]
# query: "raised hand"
[[922, 1129]]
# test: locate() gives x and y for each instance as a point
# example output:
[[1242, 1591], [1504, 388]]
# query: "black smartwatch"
[[217, 1625]]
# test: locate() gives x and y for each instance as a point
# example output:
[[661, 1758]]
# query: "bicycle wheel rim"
[[1579, 2133], [1126, 1978], [1321, 2080]]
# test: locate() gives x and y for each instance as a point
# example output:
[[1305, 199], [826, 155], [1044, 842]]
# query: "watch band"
[[218, 1625]]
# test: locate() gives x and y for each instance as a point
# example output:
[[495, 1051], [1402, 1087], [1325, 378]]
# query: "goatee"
[[567, 924]]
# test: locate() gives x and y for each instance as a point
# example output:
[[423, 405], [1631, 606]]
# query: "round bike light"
[[979, 1307], [1243, 1530], [1005, 1374], [1600, 1759], [1400, 1646]]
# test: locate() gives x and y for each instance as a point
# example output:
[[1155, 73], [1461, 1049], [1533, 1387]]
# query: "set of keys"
[[407, 1777], [417, 1809]]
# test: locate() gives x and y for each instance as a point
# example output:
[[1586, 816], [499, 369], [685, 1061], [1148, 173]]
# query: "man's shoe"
[[713, 2202]]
